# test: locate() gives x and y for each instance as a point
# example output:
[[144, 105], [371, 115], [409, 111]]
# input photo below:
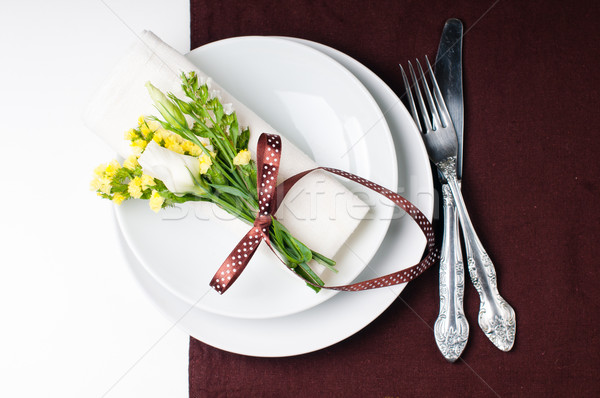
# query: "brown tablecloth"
[[531, 182]]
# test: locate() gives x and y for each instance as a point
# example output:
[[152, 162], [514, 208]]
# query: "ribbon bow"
[[268, 155]]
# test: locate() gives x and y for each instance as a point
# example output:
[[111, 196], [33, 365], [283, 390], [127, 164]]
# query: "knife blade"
[[451, 328], [448, 72]]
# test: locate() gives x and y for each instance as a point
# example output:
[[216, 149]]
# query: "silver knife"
[[451, 328], [448, 72], [496, 317]]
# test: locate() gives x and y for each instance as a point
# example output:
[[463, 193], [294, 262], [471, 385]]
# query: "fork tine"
[[444, 114], [411, 101], [424, 111], [432, 105]]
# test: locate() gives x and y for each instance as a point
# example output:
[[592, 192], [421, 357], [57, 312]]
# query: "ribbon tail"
[[237, 261]]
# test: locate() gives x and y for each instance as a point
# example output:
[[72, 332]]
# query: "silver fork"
[[451, 329], [496, 317]]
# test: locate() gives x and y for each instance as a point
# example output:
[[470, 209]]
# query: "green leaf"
[[304, 253], [216, 177], [172, 199], [327, 262], [312, 275], [243, 139], [183, 106], [122, 174], [201, 111], [189, 84], [146, 194], [234, 130], [218, 110], [232, 191], [199, 130], [307, 273], [203, 93], [116, 187], [294, 250], [288, 250], [276, 235]]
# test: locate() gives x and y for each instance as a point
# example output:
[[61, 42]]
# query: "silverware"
[[448, 73], [496, 317], [451, 328]]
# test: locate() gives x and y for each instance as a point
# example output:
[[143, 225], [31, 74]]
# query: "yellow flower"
[[173, 142], [175, 147], [242, 158], [145, 130], [131, 162], [99, 171], [190, 148], [95, 184], [171, 138], [154, 125], [147, 181], [138, 146], [158, 136], [118, 198], [156, 201], [105, 186], [112, 169], [131, 134], [205, 163], [135, 187], [148, 126]]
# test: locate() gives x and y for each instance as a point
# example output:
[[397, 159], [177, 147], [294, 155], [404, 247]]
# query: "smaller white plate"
[[323, 109]]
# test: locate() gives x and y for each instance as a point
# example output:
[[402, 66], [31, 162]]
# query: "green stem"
[[325, 261], [225, 148], [231, 209], [192, 137]]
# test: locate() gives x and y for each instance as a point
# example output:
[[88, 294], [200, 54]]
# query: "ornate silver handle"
[[496, 317], [451, 328]]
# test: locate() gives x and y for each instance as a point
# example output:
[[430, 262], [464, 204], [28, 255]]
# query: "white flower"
[[206, 143], [166, 107], [215, 94], [172, 168], [228, 109]]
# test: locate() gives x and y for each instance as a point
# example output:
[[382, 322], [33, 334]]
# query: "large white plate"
[[325, 110], [346, 313]]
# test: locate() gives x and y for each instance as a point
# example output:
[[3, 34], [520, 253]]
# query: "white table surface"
[[74, 321]]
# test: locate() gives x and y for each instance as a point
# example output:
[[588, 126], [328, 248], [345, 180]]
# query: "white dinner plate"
[[326, 111], [347, 312]]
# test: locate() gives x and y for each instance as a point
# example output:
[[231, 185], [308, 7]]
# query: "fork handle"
[[451, 328], [496, 317]]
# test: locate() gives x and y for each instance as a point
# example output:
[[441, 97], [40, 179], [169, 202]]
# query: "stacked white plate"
[[343, 116]]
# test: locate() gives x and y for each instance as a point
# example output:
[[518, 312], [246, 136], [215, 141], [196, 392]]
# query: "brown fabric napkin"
[[531, 182]]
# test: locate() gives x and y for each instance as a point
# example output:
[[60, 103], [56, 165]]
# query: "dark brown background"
[[531, 181]]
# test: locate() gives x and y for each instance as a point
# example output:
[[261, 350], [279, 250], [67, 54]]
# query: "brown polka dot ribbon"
[[270, 196]]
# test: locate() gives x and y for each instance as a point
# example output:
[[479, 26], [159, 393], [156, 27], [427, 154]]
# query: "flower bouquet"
[[198, 151]]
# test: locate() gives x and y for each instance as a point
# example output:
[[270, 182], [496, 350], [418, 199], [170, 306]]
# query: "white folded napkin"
[[319, 211]]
